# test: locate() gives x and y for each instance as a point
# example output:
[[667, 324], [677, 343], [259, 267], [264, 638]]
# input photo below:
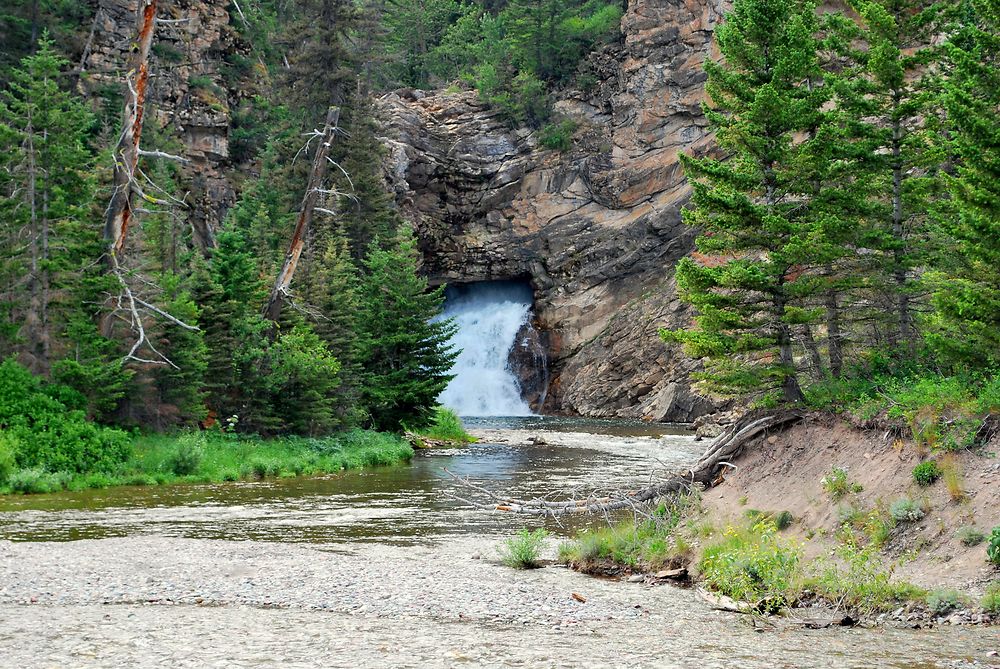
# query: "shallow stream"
[[409, 503], [386, 568]]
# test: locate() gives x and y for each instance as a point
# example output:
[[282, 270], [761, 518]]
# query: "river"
[[385, 568]]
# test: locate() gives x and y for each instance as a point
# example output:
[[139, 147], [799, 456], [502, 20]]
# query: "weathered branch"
[[280, 291], [164, 156]]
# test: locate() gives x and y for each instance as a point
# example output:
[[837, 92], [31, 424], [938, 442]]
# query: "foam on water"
[[489, 316]]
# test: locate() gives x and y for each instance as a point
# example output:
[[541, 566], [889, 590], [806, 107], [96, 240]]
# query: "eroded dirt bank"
[[784, 472]]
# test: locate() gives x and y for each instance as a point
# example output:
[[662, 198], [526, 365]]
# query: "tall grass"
[[446, 426], [211, 458], [940, 411], [646, 545], [522, 551]]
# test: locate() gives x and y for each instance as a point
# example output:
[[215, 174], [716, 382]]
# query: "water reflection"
[[403, 504]]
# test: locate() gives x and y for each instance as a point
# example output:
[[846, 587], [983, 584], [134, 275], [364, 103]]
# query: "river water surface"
[[385, 568]]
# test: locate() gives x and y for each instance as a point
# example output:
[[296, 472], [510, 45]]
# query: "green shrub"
[[993, 550], [36, 480], [752, 565], [837, 484], [48, 434], [263, 467], [522, 551], [941, 602], [446, 425], [878, 526], [862, 582], [970, 536], [784, 520], [8, 464], [558, 136], [905, 510], [991, 600], [188, 455], [926, 473]]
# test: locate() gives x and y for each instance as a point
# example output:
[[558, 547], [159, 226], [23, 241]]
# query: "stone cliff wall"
[[596, 230]]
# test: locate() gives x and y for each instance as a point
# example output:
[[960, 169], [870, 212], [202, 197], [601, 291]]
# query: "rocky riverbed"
[[157, 601]]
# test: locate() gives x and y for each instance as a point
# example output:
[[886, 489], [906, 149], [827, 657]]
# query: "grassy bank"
[[939, 412], [760, 561], [212, 457]]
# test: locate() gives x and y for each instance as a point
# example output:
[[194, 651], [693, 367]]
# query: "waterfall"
[[489, 316]]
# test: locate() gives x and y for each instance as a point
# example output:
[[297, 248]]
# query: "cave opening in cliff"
[[502, 369]]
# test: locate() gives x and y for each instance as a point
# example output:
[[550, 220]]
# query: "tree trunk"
[[833, 334], [319, 168], [34, 26], [904, 318], [790, 389], [126, 152], [815, 359]]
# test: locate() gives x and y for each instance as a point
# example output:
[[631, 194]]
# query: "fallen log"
[[706, 473]]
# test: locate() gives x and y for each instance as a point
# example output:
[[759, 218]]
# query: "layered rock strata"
[[596, 229]]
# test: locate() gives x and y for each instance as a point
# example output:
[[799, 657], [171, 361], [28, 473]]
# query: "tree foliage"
[[856, 169]]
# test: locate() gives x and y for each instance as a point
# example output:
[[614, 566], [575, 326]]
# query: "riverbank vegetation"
[[754, 563], [200, 457], [444, 427], [847, 250]]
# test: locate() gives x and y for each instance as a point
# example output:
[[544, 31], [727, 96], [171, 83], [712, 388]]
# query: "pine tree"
[[367, 210], [405, 357], [967, 291], [760, 245], [321, 70], [329, 288], [892, 104], [181, 385], [48, 189]]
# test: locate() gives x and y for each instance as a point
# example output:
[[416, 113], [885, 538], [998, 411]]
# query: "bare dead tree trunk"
[[119, 212], [126, 185], [272, 311]]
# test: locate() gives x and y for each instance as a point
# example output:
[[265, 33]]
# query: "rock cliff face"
[[596, 230]]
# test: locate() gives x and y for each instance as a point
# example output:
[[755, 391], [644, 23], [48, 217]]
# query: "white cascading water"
[[489, 316]]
